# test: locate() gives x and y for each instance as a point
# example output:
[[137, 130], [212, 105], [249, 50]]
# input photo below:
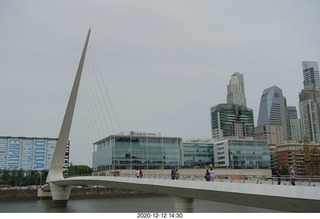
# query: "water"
[[122, 205]]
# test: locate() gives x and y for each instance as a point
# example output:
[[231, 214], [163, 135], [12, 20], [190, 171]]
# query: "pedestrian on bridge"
[[279, 175], [212, 174], [177, 174], [173, 174], [207, 176], [292, 176], [138, 173]]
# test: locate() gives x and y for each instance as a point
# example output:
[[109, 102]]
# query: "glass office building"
[[198, 153], [137, 150], [241, 154], [228, 120]]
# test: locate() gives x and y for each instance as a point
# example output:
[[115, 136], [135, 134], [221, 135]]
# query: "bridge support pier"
[[60, 194], [183, 205]]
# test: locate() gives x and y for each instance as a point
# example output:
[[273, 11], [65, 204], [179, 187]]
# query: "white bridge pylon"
[[60, 194]]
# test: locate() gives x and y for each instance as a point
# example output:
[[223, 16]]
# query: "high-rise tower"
[[295, 123], [309, 101], [236, 93], [272, 110], [311, 75], [233, 119], [309, 106]]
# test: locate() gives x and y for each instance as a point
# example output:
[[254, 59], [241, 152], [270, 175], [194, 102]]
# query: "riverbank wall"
[[18, 194], [76, 193]]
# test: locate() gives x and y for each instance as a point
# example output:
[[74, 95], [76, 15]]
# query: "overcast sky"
[[164, 63]]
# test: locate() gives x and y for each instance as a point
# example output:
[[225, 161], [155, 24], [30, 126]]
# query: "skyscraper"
[[236, 92], [287, 118], [309, 101], [292, 111], [311, 74], [272, 110], [309, 106], [233, 119], [295, 123]]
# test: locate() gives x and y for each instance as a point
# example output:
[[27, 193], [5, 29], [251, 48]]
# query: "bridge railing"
[[271, 180]]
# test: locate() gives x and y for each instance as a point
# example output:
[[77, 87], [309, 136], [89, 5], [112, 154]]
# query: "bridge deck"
[[283, 198]]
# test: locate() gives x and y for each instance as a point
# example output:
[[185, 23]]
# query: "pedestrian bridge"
[[283, 198], [286, 198]]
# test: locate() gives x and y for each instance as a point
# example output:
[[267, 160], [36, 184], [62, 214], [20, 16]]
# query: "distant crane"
[[311, 158]]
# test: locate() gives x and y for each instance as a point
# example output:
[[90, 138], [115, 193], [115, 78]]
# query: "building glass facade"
[[241, 154], [271, 111], [137, 152], [292, 110], [198, 153], [229, 120], [293, 124], [311, 75]]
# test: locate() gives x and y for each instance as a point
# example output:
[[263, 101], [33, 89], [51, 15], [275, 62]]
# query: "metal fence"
[[271, 180]]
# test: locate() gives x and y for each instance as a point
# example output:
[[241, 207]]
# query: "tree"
[[32, 177], [79, 170], [23, 178], [43, 177], [5, 176], [20, 177], [13, 178]]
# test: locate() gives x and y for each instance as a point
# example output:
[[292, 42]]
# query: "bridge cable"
[[98, 96], [105, 88]]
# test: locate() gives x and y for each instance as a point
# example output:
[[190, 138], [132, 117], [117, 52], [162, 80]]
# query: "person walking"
[[173, 175], [138, 173], [207, 176], [212, 174], [279, 175], [292, 176], [177, 174]]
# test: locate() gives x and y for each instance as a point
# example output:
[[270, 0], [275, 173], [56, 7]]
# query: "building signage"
[[3, 153], [26, 154], [39, 155], [66, 159], [14, 154], [144, 133]]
